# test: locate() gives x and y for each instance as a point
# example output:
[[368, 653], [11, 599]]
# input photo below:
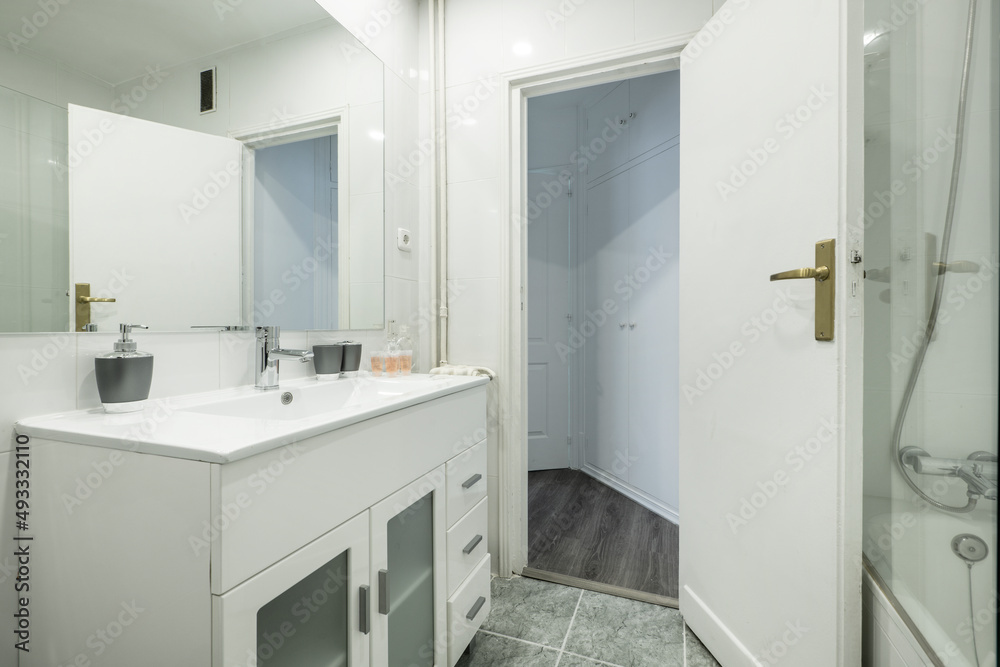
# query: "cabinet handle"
[[469, 483], [383, 591], [472, 545], [475, 608], [364, 610]]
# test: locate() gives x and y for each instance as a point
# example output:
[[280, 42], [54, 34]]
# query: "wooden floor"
[[582, 528]]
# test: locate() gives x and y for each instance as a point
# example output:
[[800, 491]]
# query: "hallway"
[[582, 528]]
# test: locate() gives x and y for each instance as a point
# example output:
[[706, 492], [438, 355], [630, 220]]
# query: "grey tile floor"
[[537, 624]]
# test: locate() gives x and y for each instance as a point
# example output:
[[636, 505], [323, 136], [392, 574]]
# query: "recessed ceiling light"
[[521, 48]]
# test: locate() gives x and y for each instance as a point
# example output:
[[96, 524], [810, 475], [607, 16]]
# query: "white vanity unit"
[[323, 523]]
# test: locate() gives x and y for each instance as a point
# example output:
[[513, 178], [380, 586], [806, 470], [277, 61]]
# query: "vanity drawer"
[[467, 544], [471, 599], [466, 482]]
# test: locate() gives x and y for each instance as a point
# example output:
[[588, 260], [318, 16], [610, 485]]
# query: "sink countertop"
[[186, 427]]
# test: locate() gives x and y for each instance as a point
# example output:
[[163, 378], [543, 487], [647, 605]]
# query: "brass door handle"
[[93, 299], [820, 273], [825, 286]]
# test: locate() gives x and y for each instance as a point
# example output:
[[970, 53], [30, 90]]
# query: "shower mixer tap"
[[979, 471]]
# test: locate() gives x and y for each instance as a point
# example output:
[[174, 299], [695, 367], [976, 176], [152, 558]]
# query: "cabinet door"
[[606, 135], [653, 327], [603, 331], [408, 564], [654, 102], [310, 608]]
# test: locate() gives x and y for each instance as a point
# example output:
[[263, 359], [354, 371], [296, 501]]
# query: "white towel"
[[463, 370]]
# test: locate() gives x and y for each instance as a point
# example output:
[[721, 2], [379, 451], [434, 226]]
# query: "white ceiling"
[[115, 40]]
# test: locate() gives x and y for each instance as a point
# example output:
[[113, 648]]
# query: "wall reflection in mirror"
[[179, 165]]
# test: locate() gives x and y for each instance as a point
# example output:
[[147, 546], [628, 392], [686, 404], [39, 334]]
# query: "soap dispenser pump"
[[124, 375]]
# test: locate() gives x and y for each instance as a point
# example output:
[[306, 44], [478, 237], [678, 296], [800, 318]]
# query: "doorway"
[[295, 212], [601, 308]]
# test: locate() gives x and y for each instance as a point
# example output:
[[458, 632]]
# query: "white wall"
[[480, 36]]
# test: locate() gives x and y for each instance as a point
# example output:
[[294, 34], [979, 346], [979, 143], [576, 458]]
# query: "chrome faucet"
[[268, 354], [979, 471]]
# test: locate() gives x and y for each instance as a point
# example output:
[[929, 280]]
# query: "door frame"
[[285, 130], [515, 88]]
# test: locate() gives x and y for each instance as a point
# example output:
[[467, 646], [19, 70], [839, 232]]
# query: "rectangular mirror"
[[201, 164]]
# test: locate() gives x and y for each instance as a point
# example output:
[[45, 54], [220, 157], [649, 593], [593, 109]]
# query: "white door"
[[770, 417], [549, 351], [605, 264], [154, 216], [409, 568]]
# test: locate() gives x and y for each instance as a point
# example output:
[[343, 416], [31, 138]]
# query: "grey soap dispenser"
[[124, 376]]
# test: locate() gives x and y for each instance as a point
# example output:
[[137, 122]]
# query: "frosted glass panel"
[[411, 591], [307, 625]]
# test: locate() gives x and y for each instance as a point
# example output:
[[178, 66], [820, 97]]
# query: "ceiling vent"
[[208, 90]]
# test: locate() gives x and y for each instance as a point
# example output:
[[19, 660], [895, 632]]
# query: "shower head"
[[969, 548]]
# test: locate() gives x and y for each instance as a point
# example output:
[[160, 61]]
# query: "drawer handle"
[[383, 591], [364, 610], [469, 483], [475, 608], [472, 545]]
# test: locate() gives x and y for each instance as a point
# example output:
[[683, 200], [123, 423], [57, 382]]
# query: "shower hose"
[[949, 220]]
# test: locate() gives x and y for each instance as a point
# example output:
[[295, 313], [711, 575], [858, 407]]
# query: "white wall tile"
[[236, 358], [534, 32], [402, 207], [472, 42], [599, 26], [473, 317], [474, 229], [41, 378], [473, 113], [367, 229], [367, 139]]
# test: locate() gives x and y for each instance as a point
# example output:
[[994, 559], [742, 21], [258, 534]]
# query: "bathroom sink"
[[316, 399], [232, 424]]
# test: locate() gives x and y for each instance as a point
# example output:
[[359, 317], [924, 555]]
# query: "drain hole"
[[286, 398]]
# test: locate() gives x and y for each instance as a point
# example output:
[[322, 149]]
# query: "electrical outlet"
[[404, 240]]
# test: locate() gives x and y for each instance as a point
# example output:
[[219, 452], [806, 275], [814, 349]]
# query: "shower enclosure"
[[932, 177]]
